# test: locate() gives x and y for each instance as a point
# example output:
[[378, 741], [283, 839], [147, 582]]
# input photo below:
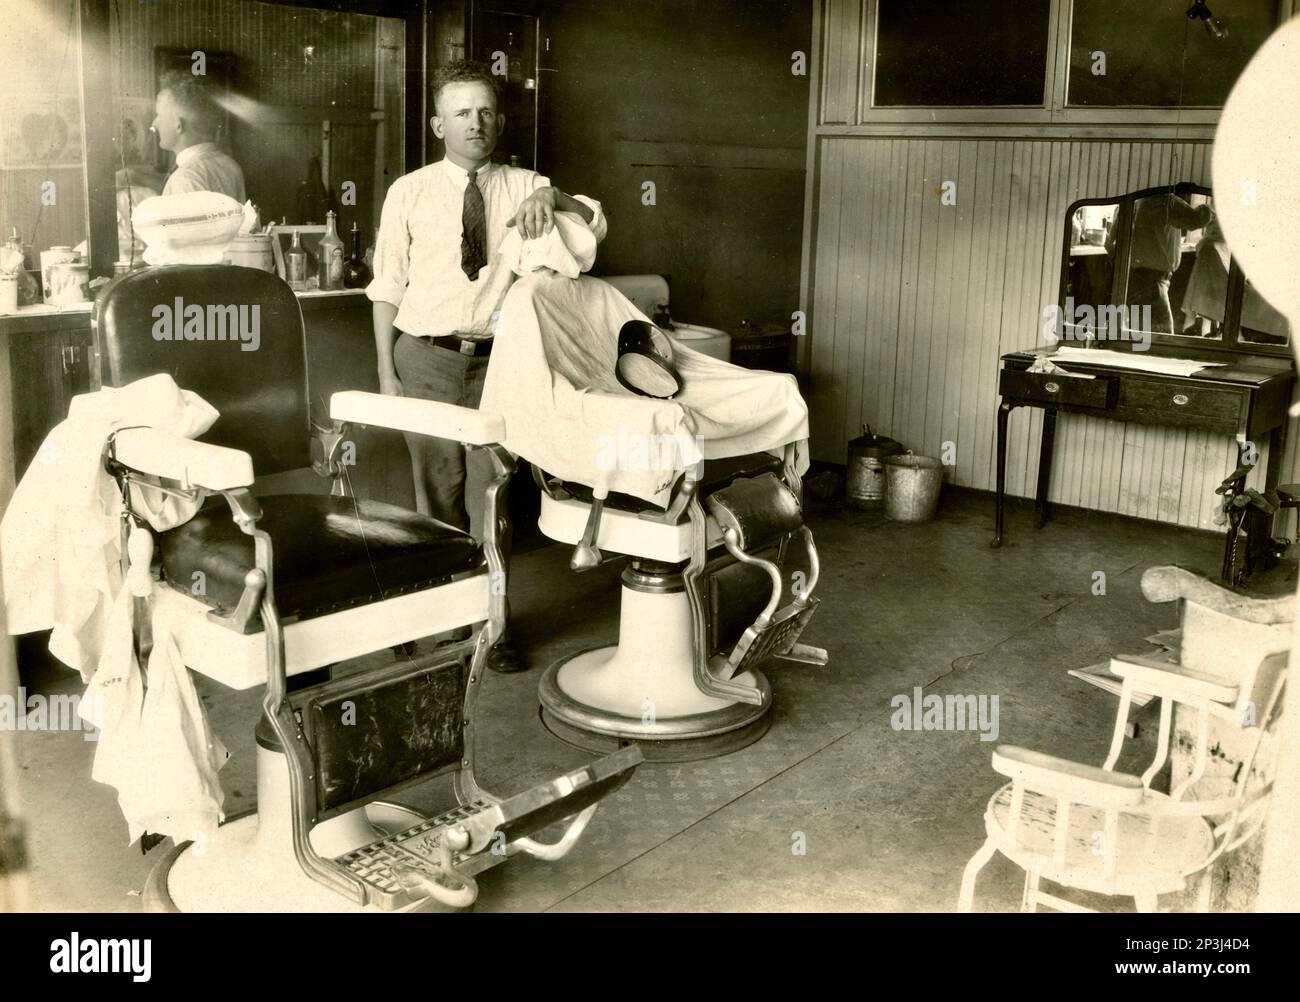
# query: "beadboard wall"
[[911, 302]]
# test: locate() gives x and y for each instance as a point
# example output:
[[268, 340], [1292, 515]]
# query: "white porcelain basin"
[[708, 340]]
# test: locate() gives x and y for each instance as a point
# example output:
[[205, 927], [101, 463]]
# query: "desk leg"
[[1042, 510], [1004, 409]]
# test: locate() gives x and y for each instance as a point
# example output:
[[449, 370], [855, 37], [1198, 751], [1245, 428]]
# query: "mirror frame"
[[1162, 343]]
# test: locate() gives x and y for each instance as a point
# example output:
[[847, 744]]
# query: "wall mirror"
[[1151, 271]]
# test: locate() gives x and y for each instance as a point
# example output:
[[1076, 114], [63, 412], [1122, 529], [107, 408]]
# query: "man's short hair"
[[193, 94], [464, 71]]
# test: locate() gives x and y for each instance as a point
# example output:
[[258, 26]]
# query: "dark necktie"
[[473, 240]]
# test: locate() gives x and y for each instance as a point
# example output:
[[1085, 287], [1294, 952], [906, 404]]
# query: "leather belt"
[[461, 346]]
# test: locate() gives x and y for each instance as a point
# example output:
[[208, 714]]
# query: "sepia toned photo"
[[580, 456]]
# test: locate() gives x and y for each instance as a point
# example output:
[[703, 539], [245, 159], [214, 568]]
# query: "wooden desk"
[[1247, 399]]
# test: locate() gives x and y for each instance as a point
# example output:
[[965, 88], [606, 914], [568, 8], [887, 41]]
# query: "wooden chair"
[[1109, 832]]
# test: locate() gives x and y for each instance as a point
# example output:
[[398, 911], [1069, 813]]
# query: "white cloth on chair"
[[60, 547], [552, 378]]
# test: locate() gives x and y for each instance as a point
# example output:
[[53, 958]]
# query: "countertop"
[[42, 317]]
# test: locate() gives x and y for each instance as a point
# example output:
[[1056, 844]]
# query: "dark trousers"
[[438, 466]]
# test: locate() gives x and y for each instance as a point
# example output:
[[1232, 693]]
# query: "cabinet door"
[[48, 368]]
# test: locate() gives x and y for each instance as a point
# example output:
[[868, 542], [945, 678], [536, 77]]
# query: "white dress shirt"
[[205, 167], [417, 252]]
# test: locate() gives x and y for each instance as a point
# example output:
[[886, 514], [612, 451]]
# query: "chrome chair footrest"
[[419, 848]]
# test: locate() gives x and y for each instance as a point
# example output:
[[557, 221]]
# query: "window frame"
[[1053, 111]]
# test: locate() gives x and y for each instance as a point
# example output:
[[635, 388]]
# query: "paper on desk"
[[1132, 360]]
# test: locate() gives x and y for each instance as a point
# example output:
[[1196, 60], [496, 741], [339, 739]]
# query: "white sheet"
[[552, 377], [1142, 362]]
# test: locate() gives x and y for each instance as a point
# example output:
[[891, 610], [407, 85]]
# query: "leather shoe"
[[504, 658]]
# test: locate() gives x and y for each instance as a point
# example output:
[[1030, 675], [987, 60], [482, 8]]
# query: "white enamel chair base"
[[643, 689], [249, 864]]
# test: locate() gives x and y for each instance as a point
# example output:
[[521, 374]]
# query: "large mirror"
[[312, 106], [1151, 271], [310, 101]]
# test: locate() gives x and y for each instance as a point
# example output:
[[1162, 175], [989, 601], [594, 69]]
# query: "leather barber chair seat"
[[296, 583], [701, 609]]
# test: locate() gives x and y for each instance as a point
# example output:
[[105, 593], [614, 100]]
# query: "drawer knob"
[[1052, 387], [1180, 399]]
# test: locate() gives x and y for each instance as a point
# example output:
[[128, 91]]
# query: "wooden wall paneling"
[[891, 291], [853, 334], [911, 189], [968, 298], [826, 294], [849, 293], [866, 331], [979, 396], [943, 331], [840, 42]]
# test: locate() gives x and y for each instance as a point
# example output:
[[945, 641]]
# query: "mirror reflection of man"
[[435, 289], [1159, 223], [186, 119]]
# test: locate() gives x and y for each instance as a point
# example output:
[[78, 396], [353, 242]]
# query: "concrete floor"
[[886, 819]]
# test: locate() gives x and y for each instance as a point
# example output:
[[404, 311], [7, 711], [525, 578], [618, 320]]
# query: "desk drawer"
[[1205, 408], [1067, 391]]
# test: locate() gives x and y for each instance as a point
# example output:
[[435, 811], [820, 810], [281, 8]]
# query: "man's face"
[[167, 121], [468, 122]]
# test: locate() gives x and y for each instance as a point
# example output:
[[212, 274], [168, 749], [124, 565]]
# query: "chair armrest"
[[1059, 777], [1162, 678], [158, 453], [1165, 584], [421, 417]]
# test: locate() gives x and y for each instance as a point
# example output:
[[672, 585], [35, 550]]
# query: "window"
[[1151, 54], [938, 53]]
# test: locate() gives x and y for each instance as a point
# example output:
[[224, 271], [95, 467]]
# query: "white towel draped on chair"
[[552, 378], [60, 543]]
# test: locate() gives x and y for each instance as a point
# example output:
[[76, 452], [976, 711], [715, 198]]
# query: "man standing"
[[186, 119], [1155, 253], [435, 289]]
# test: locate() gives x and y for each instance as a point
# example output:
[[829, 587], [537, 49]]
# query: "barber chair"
[[296, 583], [1109, 832], [701, 609]]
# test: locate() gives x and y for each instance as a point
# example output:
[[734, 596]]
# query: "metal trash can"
[[864, 482], [912, 487]]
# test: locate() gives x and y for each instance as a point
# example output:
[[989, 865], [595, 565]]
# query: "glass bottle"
[[295, 265], [355, 273], [329, 257]]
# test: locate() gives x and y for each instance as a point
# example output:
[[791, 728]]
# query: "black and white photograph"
[[683, 457]]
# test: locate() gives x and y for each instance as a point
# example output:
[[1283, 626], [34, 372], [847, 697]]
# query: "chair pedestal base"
[[248, 865], [643, 689]]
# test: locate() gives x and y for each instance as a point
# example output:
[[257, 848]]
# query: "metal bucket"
[[912, 487], [864, 482]]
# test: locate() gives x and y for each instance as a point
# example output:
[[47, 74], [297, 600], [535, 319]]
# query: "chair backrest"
[[232, 335]]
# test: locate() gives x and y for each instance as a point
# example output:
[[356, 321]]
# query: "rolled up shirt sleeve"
[[392, 258]]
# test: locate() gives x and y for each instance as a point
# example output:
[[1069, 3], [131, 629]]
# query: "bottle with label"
[[355, 273], [295, 265], [329, 257]]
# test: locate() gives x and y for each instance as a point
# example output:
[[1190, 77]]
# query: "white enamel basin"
[[708, 340]]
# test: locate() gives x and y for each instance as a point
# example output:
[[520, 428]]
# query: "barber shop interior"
[[576, 456]]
